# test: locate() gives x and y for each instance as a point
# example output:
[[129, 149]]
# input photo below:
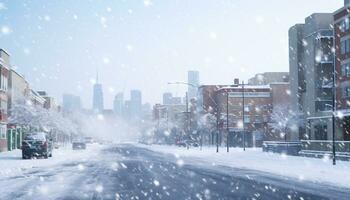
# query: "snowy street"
[[129, 171]]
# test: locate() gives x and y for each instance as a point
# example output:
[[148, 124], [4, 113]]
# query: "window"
[[246, 119], [3, 132], [346, 92], [3, 82], [320, 132], [3, 106], [345, 46], [344, 25], [345, 69]]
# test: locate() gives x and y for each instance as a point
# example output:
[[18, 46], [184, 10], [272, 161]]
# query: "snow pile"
[[300, 168], [16, 166]]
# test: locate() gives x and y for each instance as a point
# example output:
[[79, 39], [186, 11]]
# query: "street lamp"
[[188, 124], [243, 115]]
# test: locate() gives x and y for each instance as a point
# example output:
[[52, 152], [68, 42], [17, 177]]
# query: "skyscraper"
[[167, 98], [135, 103], [118, 104], [193, 80], [97, 101]]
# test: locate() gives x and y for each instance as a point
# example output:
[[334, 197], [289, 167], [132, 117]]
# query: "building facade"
[[4, 74], [249, 108], [135, 107], [118, 104], [167, 98], [342, 69], [311, 66], [50, 102], [18, 89]]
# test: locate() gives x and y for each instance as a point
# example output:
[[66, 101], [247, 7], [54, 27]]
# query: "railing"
[[289, 148], [325, 145]]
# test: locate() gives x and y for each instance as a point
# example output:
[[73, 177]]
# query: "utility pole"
[[187, 119], [333, 118], [243, 116], [217, 129], [227, 127]]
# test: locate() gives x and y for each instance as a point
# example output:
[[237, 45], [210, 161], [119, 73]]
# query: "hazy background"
[[136, 44]]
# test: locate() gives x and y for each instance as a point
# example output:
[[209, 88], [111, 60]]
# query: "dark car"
[[36, 145], [78, 145]]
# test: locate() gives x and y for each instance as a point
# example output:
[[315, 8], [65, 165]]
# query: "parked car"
[[78, 145], [36, 144]]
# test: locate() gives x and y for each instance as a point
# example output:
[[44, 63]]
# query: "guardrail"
[[289, 148], [325, 145]]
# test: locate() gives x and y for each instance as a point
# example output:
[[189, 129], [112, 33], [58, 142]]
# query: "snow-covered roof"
[[246, 87]]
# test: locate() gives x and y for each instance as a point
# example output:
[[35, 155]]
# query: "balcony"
[[326, 84]]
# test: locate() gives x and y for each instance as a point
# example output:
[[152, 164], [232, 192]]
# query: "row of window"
[[345, 46]]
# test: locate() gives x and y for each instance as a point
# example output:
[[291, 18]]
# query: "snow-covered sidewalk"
[[12, 164], [300, 168]]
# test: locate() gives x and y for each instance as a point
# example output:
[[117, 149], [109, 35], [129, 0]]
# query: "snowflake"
[[156, 183], [147, 3], [5, 30]]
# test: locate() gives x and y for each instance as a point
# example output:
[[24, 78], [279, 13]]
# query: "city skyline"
[[104, 35]]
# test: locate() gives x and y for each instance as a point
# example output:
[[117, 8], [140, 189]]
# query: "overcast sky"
[[136, 44]]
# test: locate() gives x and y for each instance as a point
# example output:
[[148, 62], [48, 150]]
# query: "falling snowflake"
[[5, 30], [156, 183]]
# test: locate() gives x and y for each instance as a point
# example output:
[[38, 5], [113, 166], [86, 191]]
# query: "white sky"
[[58, 45]]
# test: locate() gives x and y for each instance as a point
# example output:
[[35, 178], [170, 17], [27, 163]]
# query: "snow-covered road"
[[128, 171]]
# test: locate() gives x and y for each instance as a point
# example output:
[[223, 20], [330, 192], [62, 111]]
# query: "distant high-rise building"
[[97, 101], [135, 103], [71, 103], [176, 100], [193, 80], [167, 98], [118, 104]]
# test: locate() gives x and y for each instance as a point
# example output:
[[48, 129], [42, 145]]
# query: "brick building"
[[259, 103], [4, 73], [257, 110], [342, 68]]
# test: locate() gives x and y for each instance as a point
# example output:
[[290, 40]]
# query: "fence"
[[289, 148]]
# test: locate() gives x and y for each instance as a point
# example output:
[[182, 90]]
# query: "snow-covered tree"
[[282, 120]]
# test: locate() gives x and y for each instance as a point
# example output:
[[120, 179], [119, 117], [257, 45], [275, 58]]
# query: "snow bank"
[[300, 168], [12, 164]]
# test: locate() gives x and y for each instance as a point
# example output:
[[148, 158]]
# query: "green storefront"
[[14, 138]]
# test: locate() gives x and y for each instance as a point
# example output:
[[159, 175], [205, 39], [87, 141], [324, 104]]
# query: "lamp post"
[[227, 127], [243, 115], [333, 118], [188, 117]]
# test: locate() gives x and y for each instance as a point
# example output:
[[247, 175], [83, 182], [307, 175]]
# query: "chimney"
[[236, 80]]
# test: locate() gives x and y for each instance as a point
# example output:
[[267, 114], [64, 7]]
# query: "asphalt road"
[[129, 172]]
